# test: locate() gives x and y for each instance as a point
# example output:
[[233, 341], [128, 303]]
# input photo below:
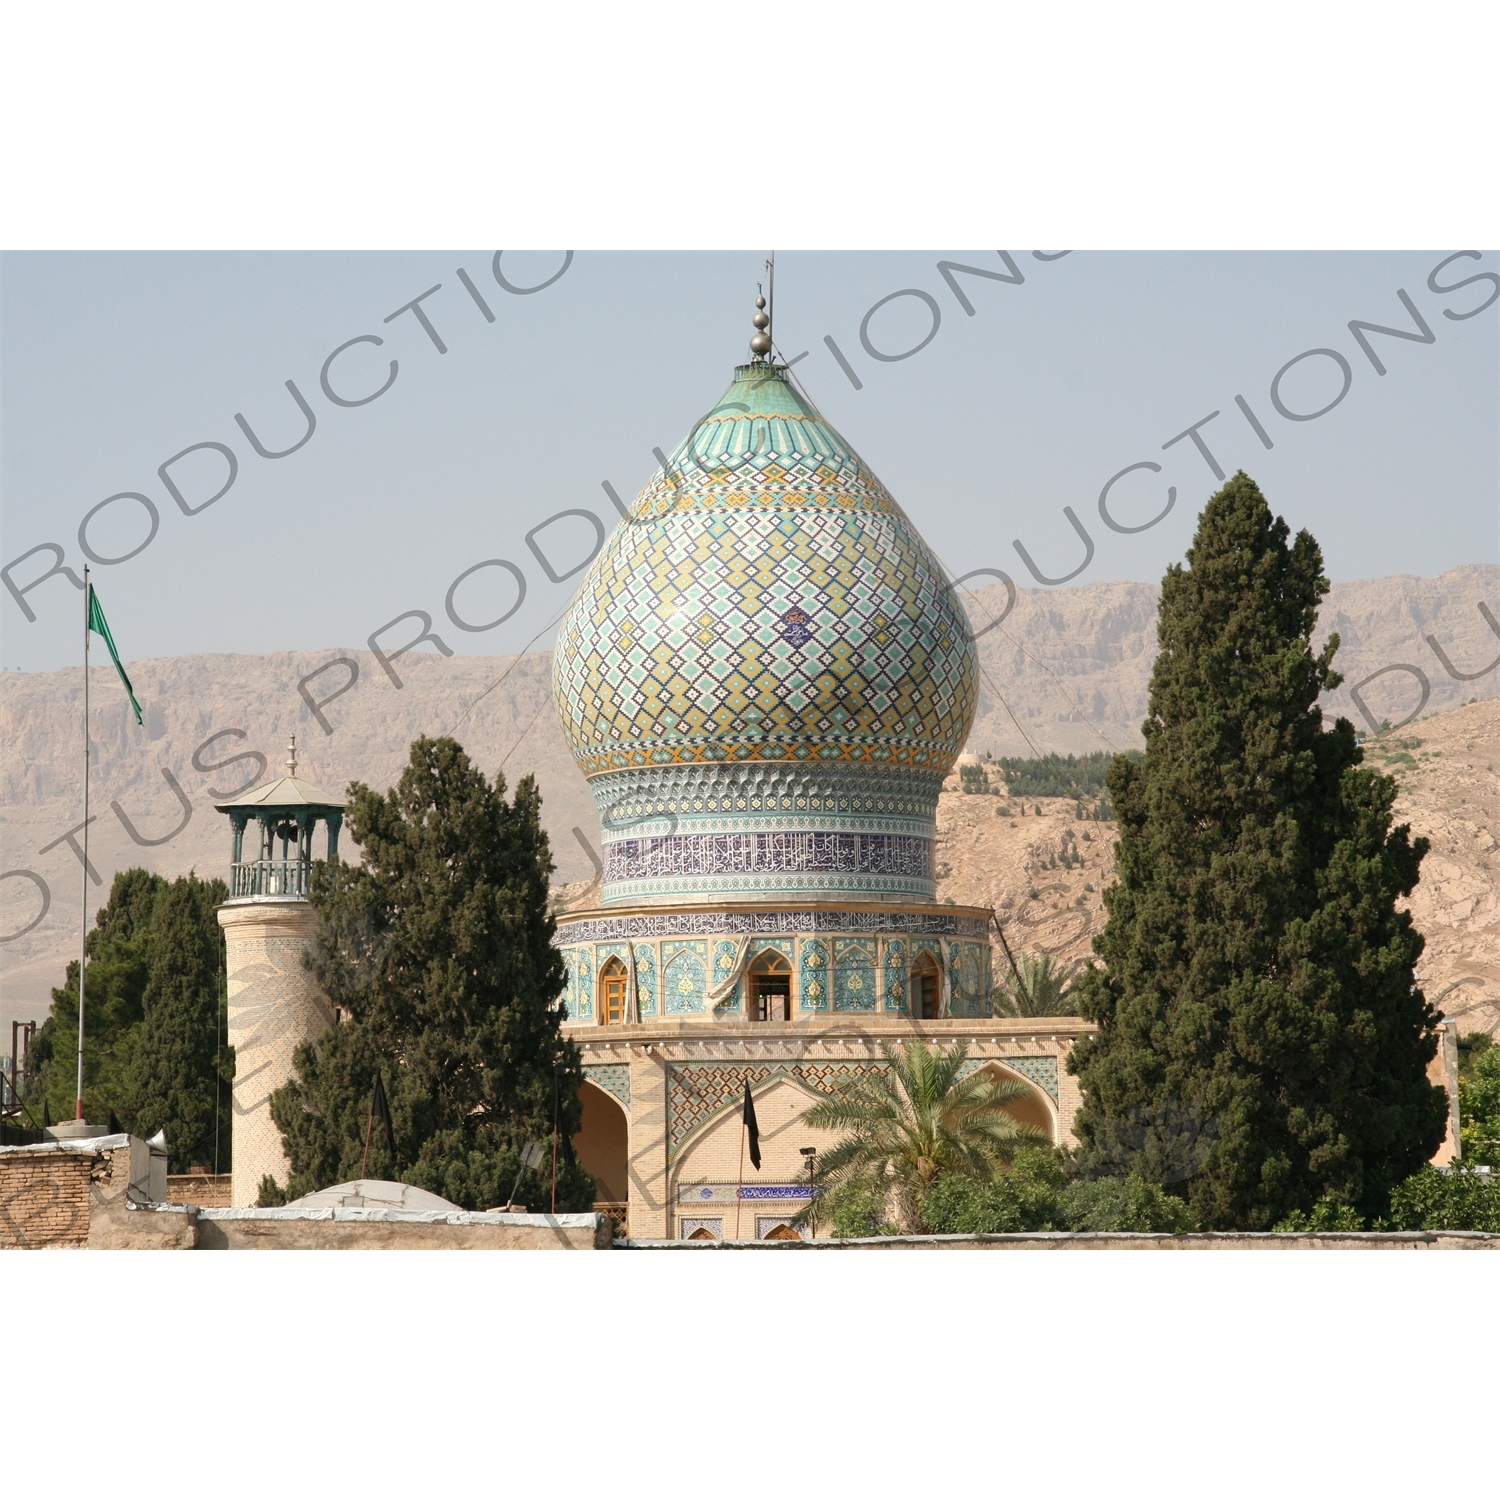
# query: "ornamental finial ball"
[[761, 344]]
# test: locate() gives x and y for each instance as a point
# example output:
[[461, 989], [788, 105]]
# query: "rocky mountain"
[[1043, 870], [1065, 669]]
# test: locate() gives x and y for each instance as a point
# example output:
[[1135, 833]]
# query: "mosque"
[[766, 677]]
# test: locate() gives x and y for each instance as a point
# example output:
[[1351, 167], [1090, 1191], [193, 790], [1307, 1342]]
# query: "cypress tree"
[[151, 1051], [1257, 975], [437, 951], [118, 969], [177, 1055]]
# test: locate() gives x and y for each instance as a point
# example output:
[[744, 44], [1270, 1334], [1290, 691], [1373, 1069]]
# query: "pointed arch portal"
[[603, 1144]]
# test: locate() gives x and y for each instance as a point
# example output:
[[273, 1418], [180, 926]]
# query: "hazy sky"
[[110, 364]]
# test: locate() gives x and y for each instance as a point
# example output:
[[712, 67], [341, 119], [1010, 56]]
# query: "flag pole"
[[83, 941], [739, 1187]]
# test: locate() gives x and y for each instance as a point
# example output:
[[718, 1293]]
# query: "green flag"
[[100, 626]]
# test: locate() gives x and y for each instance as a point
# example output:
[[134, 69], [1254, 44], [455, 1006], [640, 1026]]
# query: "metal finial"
[[760, 343], [291, 765]]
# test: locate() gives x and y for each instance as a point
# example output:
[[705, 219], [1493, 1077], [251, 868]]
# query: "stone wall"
[[1451, 1239], [386, 1229], [203, 1189]]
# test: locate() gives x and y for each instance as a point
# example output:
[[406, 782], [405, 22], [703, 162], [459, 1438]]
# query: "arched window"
[[770, 982], [612, 993], [926, 988]]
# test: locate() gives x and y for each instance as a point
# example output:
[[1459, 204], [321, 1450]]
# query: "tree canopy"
[[437, 953], [1257, 972], [153, 1049]]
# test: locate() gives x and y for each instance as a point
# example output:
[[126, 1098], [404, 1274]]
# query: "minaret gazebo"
[[286, 810]]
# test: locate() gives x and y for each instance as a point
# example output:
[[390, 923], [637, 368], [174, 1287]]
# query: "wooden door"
[[612, 1008]]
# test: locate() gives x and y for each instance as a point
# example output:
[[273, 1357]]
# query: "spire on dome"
[[760, 342]]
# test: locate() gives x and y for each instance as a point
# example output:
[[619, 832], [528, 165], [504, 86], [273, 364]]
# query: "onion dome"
[[765, 646]]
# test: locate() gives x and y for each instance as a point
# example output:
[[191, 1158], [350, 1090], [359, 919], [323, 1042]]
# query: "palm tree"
[[915, 1120], [1037, 987]]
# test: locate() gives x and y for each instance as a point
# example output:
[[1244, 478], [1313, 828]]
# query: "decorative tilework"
[[684, 978], [583, 984], [730, 1192], [815, 977], [725, 953], [645, 979], [895, 974], [613, 1078], [764, 1226], [930, 920], [766, 607], [763, 950], [853, 975], [1042, 1071], [688, 1227], [698, 1091], [671, 651], [770, 853], [722, 797]]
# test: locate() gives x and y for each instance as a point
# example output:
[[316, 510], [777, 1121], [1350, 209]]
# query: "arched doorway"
[[770, 988], [1032, 1108], [926, 988], [612, 993], [603, 1144]]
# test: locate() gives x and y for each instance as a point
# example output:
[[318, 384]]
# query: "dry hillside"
[[1062, 655], [1043, 874]]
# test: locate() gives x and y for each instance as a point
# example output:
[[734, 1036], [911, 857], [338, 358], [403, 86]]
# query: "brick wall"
[[44, 1199], [49, 1193]]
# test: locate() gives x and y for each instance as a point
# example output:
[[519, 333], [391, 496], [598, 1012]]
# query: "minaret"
[[274, 1001]]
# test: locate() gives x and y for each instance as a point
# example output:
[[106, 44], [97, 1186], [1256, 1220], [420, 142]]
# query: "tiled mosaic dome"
[[766, 633], [768, 600]]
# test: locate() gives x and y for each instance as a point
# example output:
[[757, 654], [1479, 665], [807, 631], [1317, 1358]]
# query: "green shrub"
[[1472, 1045], [1021, 1200], [856, 1211], [1455, 1199], [1130, 1204], [1479, 1107], [1036, 1195], [1328, 1214]]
